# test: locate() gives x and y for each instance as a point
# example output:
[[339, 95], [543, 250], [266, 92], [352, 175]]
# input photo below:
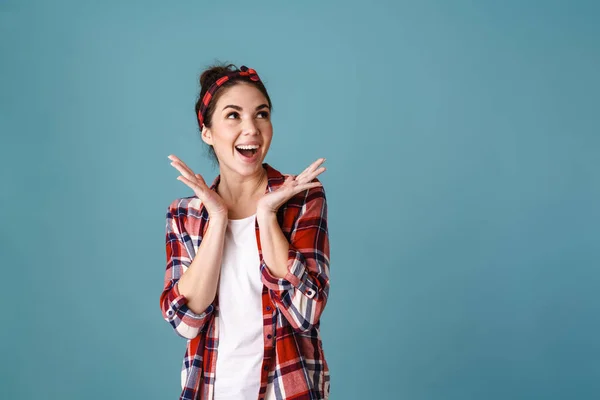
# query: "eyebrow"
[[240, 108]]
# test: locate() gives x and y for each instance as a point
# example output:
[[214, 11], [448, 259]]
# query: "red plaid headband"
[[244, 72]]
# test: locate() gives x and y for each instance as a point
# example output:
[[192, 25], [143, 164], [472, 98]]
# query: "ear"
[[206, 135]]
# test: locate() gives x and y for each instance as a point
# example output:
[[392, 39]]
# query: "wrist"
[[220, 219], [264, 215]]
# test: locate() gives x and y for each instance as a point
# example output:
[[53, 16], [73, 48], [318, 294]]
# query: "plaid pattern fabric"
[[244, 72], [294, 365]]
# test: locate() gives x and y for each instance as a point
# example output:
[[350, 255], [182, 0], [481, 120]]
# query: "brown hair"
[[210, 76]]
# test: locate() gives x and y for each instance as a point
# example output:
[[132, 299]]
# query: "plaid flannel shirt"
[[294, 365]]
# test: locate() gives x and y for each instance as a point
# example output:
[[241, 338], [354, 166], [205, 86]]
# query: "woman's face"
[[241, 117]]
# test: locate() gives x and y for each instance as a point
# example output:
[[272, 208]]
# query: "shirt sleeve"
[[180, 252], [302, 294]]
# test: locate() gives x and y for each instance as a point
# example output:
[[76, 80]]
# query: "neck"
[[236, 189]]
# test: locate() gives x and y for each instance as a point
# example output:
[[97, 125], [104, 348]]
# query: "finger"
[[200, 180], [188, 173], [184, 166], [316, 163], [312, 166], [311, 175], [173, 157], [306, 186], [317, 173], [176, 159], [193, 185]]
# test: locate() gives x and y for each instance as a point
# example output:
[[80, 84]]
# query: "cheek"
[[223, 135], [267, 129]]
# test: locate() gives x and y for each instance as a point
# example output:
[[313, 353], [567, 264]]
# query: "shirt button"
[[268, 308], [269, 336], [309, 293], [266, 368], [170, 312]]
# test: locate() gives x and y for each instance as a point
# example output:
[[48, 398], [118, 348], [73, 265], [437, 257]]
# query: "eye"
[[235, 114], [263, 114]]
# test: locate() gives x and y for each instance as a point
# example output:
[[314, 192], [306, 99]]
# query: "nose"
[[249, 127]]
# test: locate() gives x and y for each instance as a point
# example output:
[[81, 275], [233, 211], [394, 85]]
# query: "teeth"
[[248, 147]]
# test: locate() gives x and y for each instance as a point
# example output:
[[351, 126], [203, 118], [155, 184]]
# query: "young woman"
[[247, 274]]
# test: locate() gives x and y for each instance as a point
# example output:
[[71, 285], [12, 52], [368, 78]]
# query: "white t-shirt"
[[241, 344]]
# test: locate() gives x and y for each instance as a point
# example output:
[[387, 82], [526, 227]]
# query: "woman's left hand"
[[271, 201]]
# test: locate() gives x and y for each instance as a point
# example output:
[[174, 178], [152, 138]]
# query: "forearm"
[[297, 272], [199, 282], [273, 243]]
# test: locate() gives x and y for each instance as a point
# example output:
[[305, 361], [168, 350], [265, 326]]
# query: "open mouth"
[[247, 152]]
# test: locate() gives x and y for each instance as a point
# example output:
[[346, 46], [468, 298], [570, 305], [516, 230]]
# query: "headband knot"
[[249, 72], [244, 72]]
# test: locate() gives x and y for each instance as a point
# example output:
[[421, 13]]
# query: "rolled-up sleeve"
[[180, 251], [302, 295]]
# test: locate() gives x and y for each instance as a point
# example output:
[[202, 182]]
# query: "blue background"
[[462, 145]]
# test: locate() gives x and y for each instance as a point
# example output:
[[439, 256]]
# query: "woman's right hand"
[[212, 201]]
